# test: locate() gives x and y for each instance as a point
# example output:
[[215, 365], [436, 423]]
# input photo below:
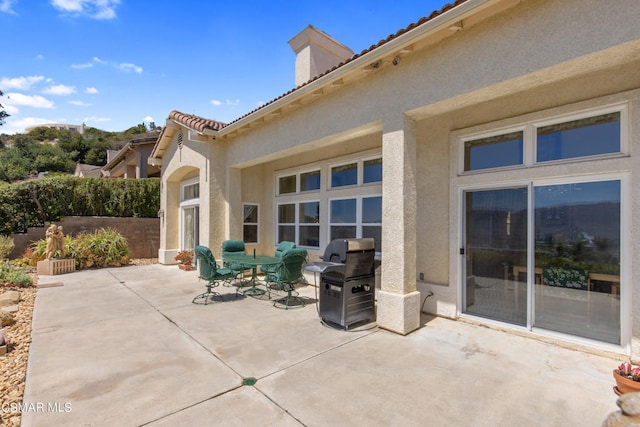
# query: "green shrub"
[[14, 276], [37, 202], [6, 246], [105, 247]]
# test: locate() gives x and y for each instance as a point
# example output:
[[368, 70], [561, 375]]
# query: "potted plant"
[[185, 259], [627, 378]]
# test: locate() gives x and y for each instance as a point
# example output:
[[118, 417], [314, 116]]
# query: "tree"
[[3, 114], [13, 166]]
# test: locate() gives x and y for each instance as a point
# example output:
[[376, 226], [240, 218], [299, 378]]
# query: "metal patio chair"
[[208, 270], [287, 274], [280, 249]]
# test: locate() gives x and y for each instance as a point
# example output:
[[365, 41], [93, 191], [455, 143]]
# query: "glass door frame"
[[625, 254]]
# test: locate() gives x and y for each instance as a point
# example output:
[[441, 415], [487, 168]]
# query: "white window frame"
[[529, 129], [297, 224], [187, 183], [361, 170], [186, 204], [358, 223], [297, 175], [358, 182], [257, 224]]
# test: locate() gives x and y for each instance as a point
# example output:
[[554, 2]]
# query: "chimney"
[[316, 52]]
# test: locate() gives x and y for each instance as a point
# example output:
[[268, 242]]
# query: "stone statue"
[[55, 241], [51, 241], [60, 242]]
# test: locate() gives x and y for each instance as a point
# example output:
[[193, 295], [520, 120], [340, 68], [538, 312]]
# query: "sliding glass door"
[[552, 262], [496, 240], [577, 259]]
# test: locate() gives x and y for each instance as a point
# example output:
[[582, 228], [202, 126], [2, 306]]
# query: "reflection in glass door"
[[495, 242], [577, 259], [190, 227], [572, 285]]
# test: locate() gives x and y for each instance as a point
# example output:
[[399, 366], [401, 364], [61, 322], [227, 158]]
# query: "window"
[[287, 184], [287, 222], [582, 135], [306, 230], [356, 218], [591, 136], [190, 191], [494, 151], [343, 218], [309, 181], [344, 175], [189, 214], [309, 224], [372, 171], [250, 223], [338, 198], [372, 219]]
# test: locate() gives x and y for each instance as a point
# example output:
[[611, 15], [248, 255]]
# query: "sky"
[[113, 64]]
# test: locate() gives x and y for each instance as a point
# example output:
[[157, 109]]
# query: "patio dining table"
[[252, 261]]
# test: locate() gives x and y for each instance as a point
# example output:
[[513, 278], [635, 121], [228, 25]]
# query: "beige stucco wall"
[[537, 58]]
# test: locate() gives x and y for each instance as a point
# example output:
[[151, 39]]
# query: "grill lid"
[[337, 249]]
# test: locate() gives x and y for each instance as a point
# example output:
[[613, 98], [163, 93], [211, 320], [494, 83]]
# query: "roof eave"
[[447, 20]]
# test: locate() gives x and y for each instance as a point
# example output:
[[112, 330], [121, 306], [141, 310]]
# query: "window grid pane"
[[309, 235], [287, 214], [250, 233], [579, 138], [493, 152], [343, 232], [372, 210], [343, 211], [372, 171], [344, 175], [191, 192], [309, 213], [310, 181], [287, 184], [251, 214]]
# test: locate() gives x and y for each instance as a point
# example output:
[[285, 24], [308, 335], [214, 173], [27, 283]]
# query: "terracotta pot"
[[185, 267], [624, 384]]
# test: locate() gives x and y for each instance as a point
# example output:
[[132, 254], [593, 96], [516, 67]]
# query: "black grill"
[[347, 281]]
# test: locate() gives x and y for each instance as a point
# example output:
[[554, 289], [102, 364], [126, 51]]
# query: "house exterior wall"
[[486, 75]]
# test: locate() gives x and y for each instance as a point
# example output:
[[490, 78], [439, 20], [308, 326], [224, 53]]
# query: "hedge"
[[38, 202]]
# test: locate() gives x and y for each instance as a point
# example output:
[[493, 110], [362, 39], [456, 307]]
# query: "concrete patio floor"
[[126, 347]]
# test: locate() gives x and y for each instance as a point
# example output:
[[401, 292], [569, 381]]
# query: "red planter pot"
[[624, 384], [185, 267]]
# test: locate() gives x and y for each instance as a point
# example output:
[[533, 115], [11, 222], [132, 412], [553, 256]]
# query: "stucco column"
[[398, 299], [233, 207]]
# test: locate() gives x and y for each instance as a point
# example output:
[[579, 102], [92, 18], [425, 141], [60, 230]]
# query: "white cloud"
[[97, 9], [91, 90], [5, 6], [130, 67], [81, 66], [148, 119], [35, 101], [98, 60], [228, 102], [19, 83], [96, 119], [19, 126], [11, 109], [39, 57], [59, 90], [79, 104]]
